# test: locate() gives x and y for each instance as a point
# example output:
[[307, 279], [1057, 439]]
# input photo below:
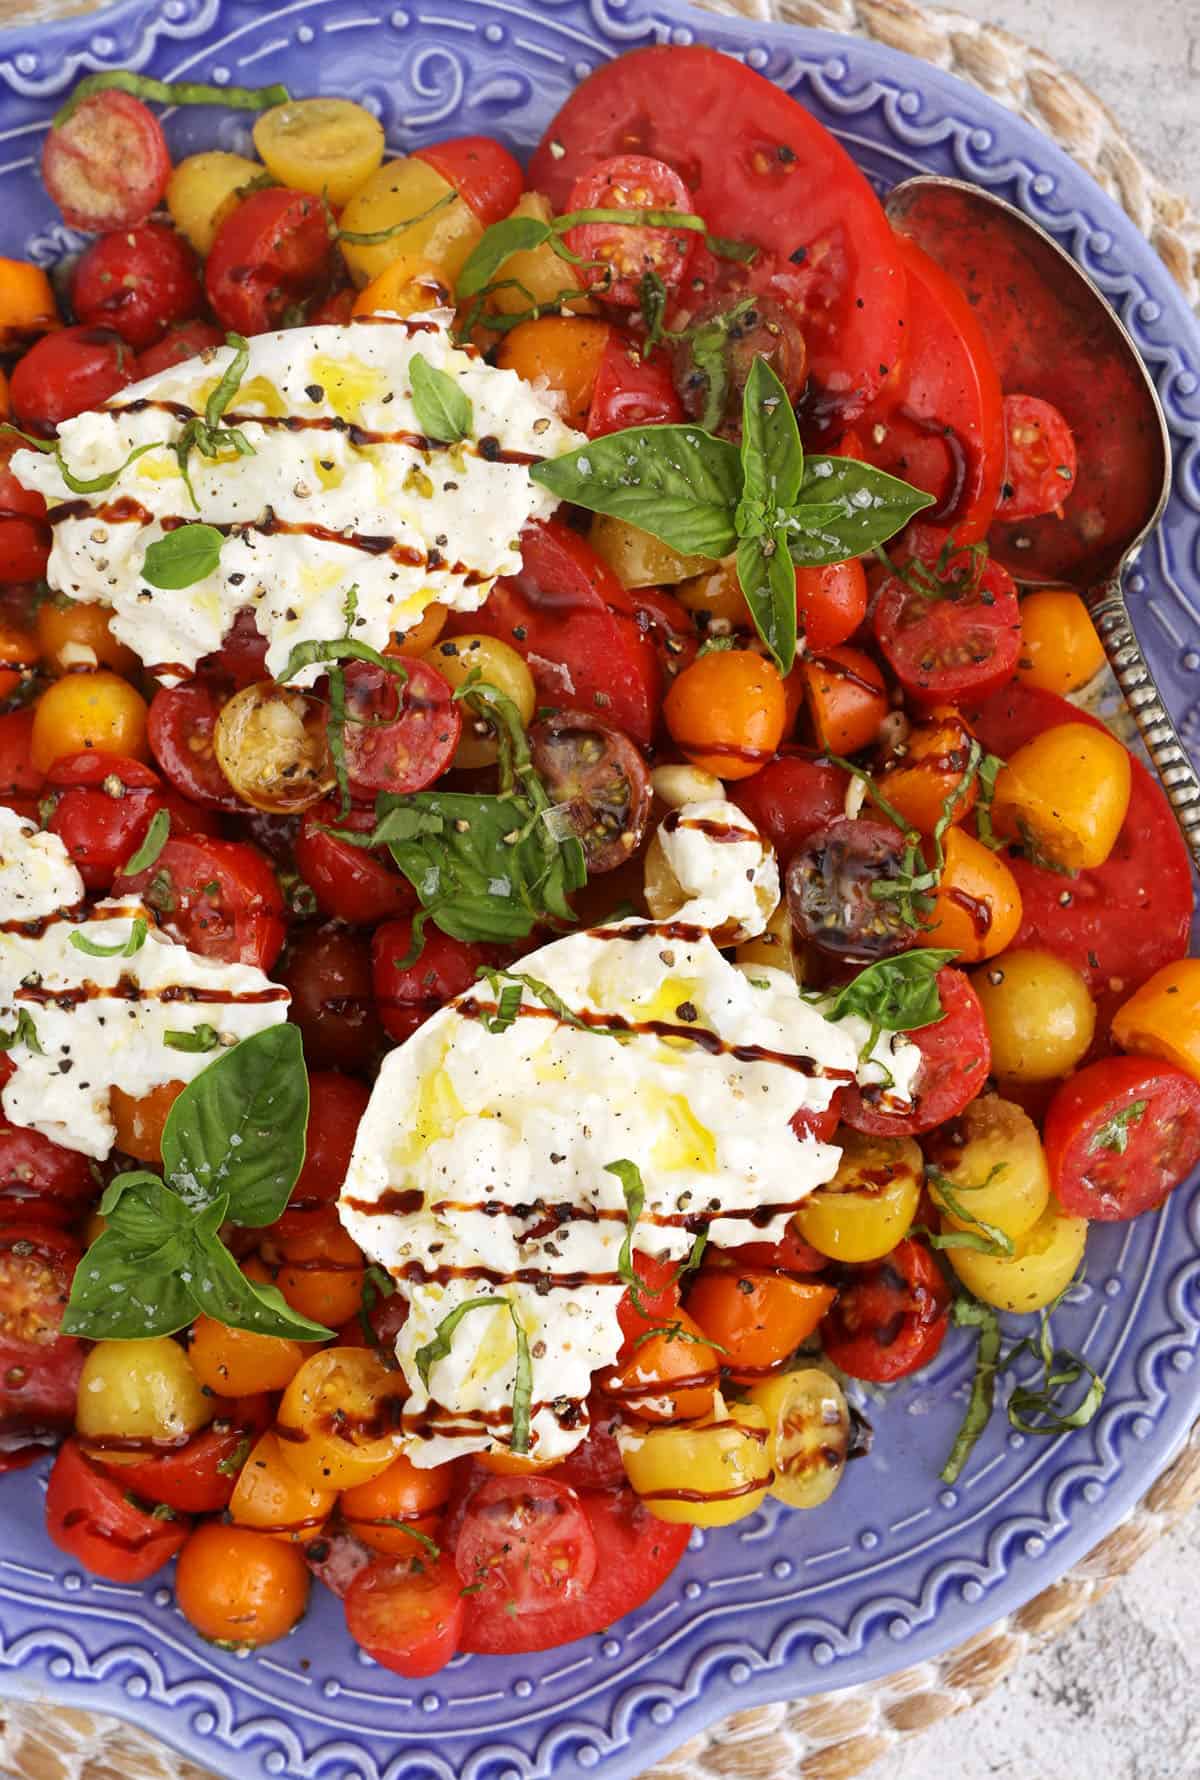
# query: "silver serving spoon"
[[1054, 335]]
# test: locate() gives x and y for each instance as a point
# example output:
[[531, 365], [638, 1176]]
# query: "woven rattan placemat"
[[830, 1736]]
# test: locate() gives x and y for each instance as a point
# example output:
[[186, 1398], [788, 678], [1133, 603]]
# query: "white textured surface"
[[1115, 1698]]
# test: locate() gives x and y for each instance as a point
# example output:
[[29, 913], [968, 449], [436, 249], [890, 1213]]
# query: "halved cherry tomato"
[[655, 1303], [1124, 920], [670, 1375], [955, 1059], [1060, 651], [576, 626], [349, 882], [977, 905], [328, 970], [39, 1367], [219, 898], [24, 534], [407, 1613], [272, 745], [139, 1120], [182, 341], [179, 727], [40, 1179], [846, 699], [958, 642], [630, 390], [27, 305], [482, 172], [272, 253], [1120, 1135], [322, 1271], [759, 1318], [637, 1553], [727, 712], [199, 1476], [242, 656], [102, 808], [1041, 463], [336, 1103], [108, 165], [831, 602], [759, 169], [628, 252], [829, 889], [791, 798], [91, 1517], [525, 1545], [240, 1588], [564, 352], [891, 1316], [67, 372], [385, 1511], [601, 780], [406, 994], [938, 421], [400, 734], [791, 1253], [927, 782], [137, 281]]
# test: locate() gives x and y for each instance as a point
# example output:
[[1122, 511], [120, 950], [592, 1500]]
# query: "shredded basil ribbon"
[[170, 92]]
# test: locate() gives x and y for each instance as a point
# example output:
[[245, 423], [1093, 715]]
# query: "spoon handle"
[[1179, 779]]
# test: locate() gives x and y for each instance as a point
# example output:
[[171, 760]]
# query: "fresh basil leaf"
[[676, 482], [515, 234], [101, 484], [772, 455], [238, 1128], [1113, 1134], [896, 994], [442, 407], [946, 1193], [152, 846], [143, 1211], [768, 580], [121, 1293], [182, 557], [968, 1313], [221, 1290], [23, 1033], [231, 380], [125, 948], [846, 508], [338, 649], [200, 1038]]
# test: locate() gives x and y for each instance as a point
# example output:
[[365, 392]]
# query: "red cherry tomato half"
[[791, 1254], [759, 169], [791, 798], [482, 172], [1124, 920], [349, 882], [179, 728], [1120, 1136], [617, 256], [576, 626], [1041, 463], [831, 603], [199, 1476], [24, 534], [181, 342], [328, 970], [631, 390], [526, 1544], [407, 1613], [103, 805], [958, 640], [955, 1058], [90, 1516], [39, 1367], [656, 1301], [242, 656], [40, 1179], [272, 253], [336, 1103], [65, 373], [138, 282], [637, 1555], [218, 898], [938, 421], [400, 734], [890, 1317], [20, 781], [108, 165], [406, 994]]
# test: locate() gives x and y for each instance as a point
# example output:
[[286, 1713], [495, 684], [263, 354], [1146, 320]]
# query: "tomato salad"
[[766, 591]]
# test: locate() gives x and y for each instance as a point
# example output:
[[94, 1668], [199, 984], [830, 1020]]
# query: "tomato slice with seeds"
[[891, 1316], [407, 1613], [272, 254], [601, 781], [617, 256], [107, 166], [1041, 463], [956, 1055], [525, 1545], [179, 728], [39, 1367], [400, 733], [830, 881], [1120, 1135], [950, 626], [91, 1517], [218, 898]]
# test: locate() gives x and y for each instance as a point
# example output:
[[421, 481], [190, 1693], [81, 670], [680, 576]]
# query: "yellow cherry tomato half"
[[705, 1474], [340, 1418], [320, 145], [1066, 794]]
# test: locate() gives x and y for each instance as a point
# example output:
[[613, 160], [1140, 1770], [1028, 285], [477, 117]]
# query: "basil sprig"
[[775, 506], [170, 92], [182, 557], [439, 1347], [233, 1146], [441, 405]]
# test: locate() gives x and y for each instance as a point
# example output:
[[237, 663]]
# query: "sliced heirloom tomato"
[[577, 628], [91, 1517], [761, 170], [958, 641], [218, 898], [107, 166], [617, 256], [955, 1059], [891, 1316], [1121, 921], [637, 1554], [938, 421], [601, 781], [39, 1367], [525, 1545], [1120, 1135]]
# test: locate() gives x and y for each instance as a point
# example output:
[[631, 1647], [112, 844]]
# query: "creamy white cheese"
[[481, 1162], [337, 449], [101, 1022], [36, 874], [724, 867]]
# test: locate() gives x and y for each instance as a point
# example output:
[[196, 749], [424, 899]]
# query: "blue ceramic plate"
[[897, 1567]]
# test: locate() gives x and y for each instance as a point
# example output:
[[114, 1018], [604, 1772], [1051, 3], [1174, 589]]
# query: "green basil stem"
[[171, 92]]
